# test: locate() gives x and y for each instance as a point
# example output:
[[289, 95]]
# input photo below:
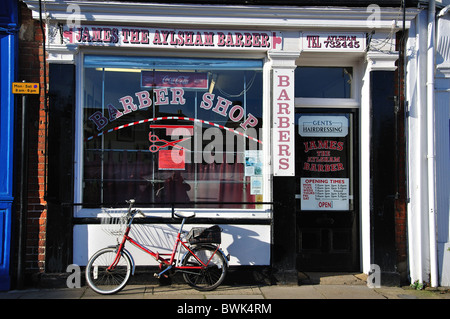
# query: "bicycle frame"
[[157, 256]]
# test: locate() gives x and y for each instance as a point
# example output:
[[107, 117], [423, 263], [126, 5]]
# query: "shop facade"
[[276, 122]]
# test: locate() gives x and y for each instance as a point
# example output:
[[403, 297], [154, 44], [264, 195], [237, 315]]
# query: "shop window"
[[172, 130], [323, 82]]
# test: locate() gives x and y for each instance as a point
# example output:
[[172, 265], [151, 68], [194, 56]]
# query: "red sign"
[[171, 159], [191, 80]]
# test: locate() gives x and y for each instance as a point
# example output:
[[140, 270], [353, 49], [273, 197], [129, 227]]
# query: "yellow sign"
[[25, 88]]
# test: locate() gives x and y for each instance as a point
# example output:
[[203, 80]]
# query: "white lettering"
[[205, 310]]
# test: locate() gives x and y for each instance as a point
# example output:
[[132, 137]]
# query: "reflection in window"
[[166, 130], [323, 82]]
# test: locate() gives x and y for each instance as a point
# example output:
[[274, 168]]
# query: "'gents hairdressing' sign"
[[167, 38]]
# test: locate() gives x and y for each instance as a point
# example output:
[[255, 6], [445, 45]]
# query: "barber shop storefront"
[[264, 127]]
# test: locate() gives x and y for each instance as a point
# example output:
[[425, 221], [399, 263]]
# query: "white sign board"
[[283, 123], [324, 193], [129, 36], [327, 126]]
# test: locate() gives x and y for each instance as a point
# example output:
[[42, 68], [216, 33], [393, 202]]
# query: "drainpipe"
[[431, 144]]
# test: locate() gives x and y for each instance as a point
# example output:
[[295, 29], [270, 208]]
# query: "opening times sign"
[[325, 193]]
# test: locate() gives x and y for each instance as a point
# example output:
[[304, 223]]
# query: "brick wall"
[[31, 61]]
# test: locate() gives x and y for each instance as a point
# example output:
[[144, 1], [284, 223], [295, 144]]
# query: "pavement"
[[338, 286], [324, 296], [176, 292]]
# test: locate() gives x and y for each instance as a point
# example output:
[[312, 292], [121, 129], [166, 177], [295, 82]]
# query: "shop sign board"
[[121, 36], [325, 126], [334, 41], [283, 123]]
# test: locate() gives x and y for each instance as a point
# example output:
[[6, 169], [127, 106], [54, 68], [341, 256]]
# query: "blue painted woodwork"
[[8, 67]]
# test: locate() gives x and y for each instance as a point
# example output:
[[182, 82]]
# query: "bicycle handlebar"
[[132, 214]]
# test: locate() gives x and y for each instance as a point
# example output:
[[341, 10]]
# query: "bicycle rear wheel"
[[104, 281], [207, 278]]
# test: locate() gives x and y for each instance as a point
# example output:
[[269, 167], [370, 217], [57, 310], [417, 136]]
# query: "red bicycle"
[[204, 265]]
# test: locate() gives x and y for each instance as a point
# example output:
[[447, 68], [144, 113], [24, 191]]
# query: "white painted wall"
[[417, 151], [246, 244], [442, 98], [416, 96]]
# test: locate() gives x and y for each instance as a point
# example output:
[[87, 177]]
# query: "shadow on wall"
[[246, 246]]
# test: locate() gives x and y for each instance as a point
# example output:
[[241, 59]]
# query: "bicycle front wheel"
[[104, 279], [209, 277]]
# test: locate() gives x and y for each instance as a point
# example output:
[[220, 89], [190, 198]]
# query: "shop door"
[[327, 196]]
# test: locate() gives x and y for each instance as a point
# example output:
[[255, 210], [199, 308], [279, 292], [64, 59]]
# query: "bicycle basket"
[[210, 235], [113, 223]]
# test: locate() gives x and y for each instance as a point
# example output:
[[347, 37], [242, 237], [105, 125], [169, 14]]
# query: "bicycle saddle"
[[181, 214]]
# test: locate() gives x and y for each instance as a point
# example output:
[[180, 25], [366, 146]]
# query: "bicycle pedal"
[[159, 276]]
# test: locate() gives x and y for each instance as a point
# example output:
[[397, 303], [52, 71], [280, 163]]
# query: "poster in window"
[[173, 159], [324, 193], [253, 163], [256, 185], [191, 80], [325, 162]]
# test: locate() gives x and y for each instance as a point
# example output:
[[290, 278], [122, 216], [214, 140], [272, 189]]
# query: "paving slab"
[[233, 292], [324, 278], [291, 292], [129, 292], [171, 292], [347, 292], [64, 293], [184, 291], [409, 293], [236, 292]]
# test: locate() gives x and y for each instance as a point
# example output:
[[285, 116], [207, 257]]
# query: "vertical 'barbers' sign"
[[283, 122]]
